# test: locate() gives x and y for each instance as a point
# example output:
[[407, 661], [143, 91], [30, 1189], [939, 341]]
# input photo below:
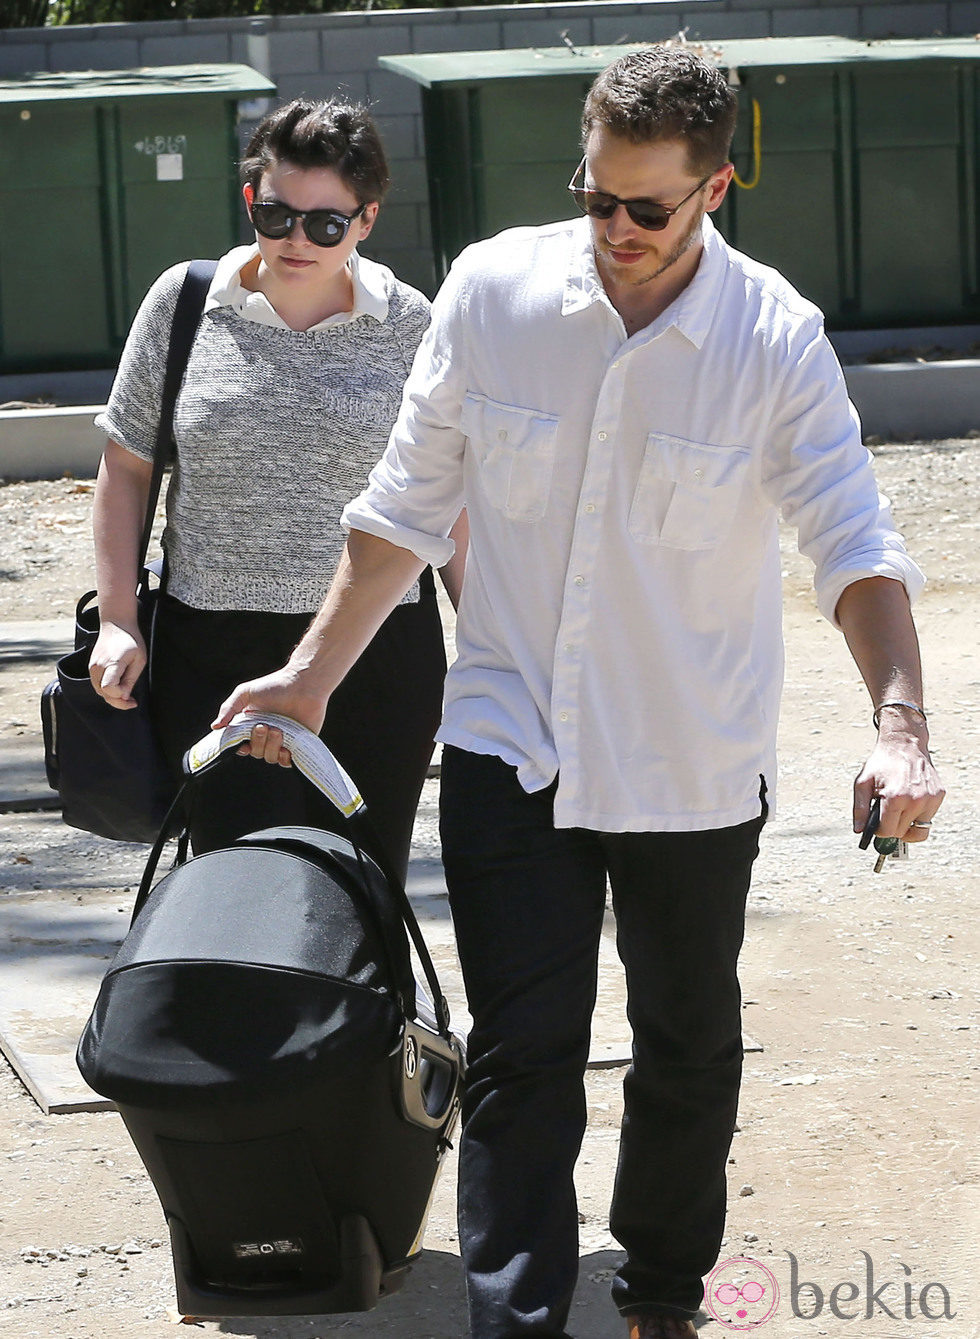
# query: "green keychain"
[[885, 846]]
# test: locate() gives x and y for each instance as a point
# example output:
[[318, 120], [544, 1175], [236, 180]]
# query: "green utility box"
[[106, 178], [860, 161]]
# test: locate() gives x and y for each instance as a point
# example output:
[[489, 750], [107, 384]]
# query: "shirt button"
[[502, 434], [580, 581], [568, 647], [602, 436], [563, 715], [699, 474], [590, 507]]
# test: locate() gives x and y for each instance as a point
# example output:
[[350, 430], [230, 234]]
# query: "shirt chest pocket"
[[687, 492], [515, 454]]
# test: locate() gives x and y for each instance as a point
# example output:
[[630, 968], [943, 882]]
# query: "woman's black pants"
[[528, 902], [380, 722]]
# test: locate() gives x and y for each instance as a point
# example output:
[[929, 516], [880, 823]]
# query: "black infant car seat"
[[262, 1035]]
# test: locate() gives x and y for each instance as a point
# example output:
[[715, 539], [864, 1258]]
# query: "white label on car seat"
[[256, 1250]]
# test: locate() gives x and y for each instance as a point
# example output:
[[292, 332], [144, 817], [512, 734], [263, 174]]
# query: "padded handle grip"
[[310, 756]]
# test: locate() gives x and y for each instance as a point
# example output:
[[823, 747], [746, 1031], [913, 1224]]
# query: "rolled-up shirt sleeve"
[[415, 492], [820, 474]]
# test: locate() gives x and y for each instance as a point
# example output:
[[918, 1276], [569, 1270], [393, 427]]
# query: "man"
[[624, 405]]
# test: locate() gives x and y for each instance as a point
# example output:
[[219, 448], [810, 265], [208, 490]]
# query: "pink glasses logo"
[[741, 1293]]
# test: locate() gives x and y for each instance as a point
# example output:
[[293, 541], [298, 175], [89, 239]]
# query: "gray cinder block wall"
[[323, 54]]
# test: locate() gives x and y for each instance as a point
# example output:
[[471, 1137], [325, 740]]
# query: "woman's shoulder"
[[409, 313], [406, 298], [168, 283], [404, 301], [161, 297]]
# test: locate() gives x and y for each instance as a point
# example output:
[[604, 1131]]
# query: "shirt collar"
[[227, 290], [692, 312], [583, 286]]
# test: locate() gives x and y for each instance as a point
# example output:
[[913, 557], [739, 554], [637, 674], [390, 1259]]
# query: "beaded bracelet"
[[876, 717]]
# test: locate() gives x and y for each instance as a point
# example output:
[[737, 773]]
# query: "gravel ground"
[[857, 1142]]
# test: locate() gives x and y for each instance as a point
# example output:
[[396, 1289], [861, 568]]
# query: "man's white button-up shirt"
[[620, 622]]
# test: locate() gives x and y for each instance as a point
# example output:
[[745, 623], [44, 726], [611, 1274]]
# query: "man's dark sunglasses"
[[646, 214], [324, 227]]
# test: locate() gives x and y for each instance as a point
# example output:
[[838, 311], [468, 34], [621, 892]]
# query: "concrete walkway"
[[37, 644]]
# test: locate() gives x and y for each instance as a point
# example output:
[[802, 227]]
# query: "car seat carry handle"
[[310, 756], [315, 761]]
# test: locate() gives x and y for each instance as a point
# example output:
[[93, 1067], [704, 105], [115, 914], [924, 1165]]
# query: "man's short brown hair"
[[665, 93]]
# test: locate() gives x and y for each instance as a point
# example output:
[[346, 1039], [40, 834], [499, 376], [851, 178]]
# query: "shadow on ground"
[[31, 651], [432, 1305]]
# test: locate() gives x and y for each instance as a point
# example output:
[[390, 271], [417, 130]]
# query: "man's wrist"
[[310, 675], [909, 713]]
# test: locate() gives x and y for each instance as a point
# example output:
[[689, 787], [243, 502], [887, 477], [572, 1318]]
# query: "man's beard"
[[670, 258]]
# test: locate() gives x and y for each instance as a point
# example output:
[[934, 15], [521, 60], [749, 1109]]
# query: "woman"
[[291, 388]]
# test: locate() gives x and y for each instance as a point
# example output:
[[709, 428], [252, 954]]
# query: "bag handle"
[[314, 760], [187, 317]]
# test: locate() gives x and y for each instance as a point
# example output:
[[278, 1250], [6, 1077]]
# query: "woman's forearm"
[[121, 491]]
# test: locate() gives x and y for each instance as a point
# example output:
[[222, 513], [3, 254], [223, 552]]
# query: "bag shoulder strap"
[[187, 317]]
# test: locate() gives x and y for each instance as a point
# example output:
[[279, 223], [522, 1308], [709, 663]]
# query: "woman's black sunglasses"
[[646, 214], [324, 227]]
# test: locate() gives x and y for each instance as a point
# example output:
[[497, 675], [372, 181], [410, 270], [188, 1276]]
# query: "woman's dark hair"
[[336, 134], [665, 93]]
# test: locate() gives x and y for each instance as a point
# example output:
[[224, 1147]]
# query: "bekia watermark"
[[743, 1294], [899, 1299]]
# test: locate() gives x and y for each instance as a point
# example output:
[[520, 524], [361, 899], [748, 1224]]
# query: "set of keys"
[[885, 846]]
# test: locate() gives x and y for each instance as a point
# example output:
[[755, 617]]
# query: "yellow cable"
[[756, 150]]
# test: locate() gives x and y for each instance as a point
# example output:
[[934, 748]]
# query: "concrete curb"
[[925, 401], [916, 401], [47, 443]]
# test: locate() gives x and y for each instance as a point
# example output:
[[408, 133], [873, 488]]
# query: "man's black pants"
[[527, 902]]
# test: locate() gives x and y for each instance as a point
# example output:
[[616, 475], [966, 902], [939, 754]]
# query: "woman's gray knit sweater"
[[276, 431]]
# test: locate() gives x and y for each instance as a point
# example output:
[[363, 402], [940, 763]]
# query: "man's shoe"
[[660, 1327]]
